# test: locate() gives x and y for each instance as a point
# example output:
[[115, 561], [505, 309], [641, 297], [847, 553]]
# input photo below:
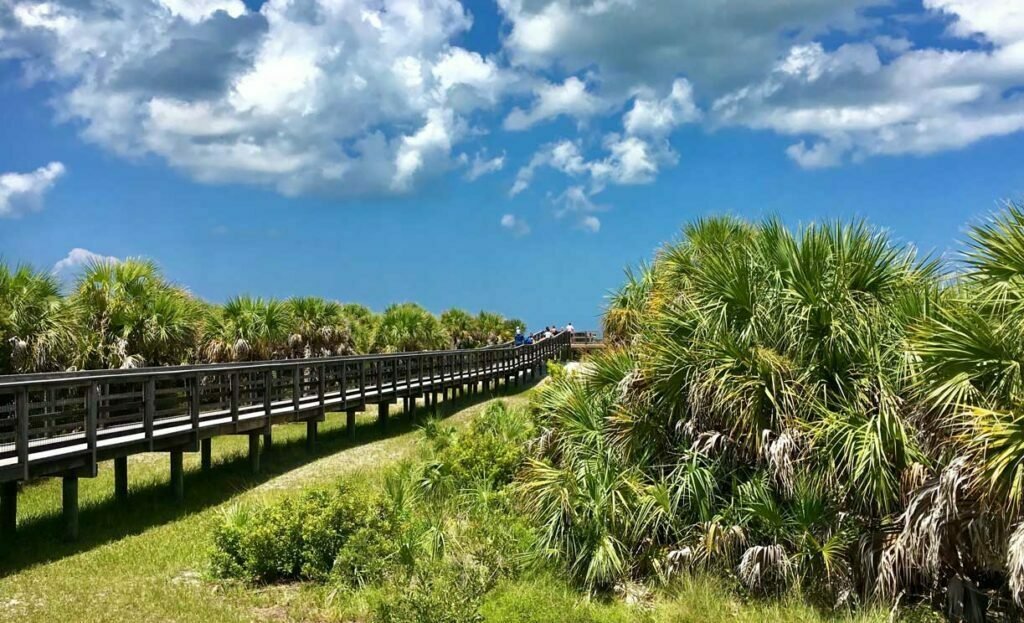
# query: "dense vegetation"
[[126, 314], [820, 411], [438, 534], [817, 413]]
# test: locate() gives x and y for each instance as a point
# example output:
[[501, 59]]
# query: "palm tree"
[[408, 327], [248, 329], [460, 327], [319, 330], [132, 316], [37, 327], [494, 329], [626, 306], [362, 325], [963, 524]]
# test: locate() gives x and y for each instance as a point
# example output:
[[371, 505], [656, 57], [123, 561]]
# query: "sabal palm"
[[768, 355], [362, 325], [459, 326], [133, 316], [37, 328], [318, 328], [407, 327], [248, 329]]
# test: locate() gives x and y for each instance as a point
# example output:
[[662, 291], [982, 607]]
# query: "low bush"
[[303, 537], [490, 451], [429, 542]]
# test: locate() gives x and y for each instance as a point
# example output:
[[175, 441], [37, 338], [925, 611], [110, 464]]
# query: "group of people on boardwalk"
[[548, 332]]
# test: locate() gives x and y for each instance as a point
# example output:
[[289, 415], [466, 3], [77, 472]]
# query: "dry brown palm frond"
[[932, 526], [912, 479], [765, 568], [241, 349], [1015, 564], [780, 454], [712, 443]]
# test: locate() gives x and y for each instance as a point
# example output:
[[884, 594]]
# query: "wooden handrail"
[[52, 422]]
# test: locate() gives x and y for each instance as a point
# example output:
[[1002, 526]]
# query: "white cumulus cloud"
[[311, 96], [78, 258], [21, 193], [571, 98]]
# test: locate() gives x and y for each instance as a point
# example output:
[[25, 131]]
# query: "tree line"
[[124, 314]]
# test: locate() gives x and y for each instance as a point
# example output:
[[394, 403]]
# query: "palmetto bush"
[[818, 410]]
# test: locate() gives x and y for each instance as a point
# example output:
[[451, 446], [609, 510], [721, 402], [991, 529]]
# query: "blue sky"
[[511, 156]]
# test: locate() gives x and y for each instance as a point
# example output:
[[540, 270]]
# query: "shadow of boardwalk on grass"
[[38, 540]]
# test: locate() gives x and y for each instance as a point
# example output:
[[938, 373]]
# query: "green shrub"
[[490, 450], [367, 556], [302, 537], [555, 370]]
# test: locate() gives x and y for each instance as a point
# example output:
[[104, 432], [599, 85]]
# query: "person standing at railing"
[[548, 333], [519, 337], [571, 329]]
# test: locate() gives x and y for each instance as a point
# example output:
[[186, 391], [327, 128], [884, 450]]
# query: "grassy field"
[[147, 559]]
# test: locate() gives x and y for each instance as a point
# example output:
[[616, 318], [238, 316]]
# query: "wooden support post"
[[350, 423], [69, 497], [8, 510], [178, 475], [382, 414], [121, 478], [206, 453], [268, 440], [311, 435], [254, 453]]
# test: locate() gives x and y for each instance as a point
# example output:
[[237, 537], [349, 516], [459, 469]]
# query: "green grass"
[[147, 559], [696, 599]]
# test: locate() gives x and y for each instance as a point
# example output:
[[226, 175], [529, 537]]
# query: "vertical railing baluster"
[[268, 385], [235, 396], [195, 404], [321, 385], [91, 415], [362, 383], [343, 386], [296, 387], [22, 440], [149, 410]]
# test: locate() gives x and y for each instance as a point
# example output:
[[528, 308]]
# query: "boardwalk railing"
[[585, 338], [64, 424]]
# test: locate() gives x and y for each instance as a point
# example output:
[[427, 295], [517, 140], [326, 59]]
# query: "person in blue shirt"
[[519, 337]]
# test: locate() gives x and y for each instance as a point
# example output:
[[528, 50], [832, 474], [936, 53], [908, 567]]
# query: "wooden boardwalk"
[[64, 424]]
